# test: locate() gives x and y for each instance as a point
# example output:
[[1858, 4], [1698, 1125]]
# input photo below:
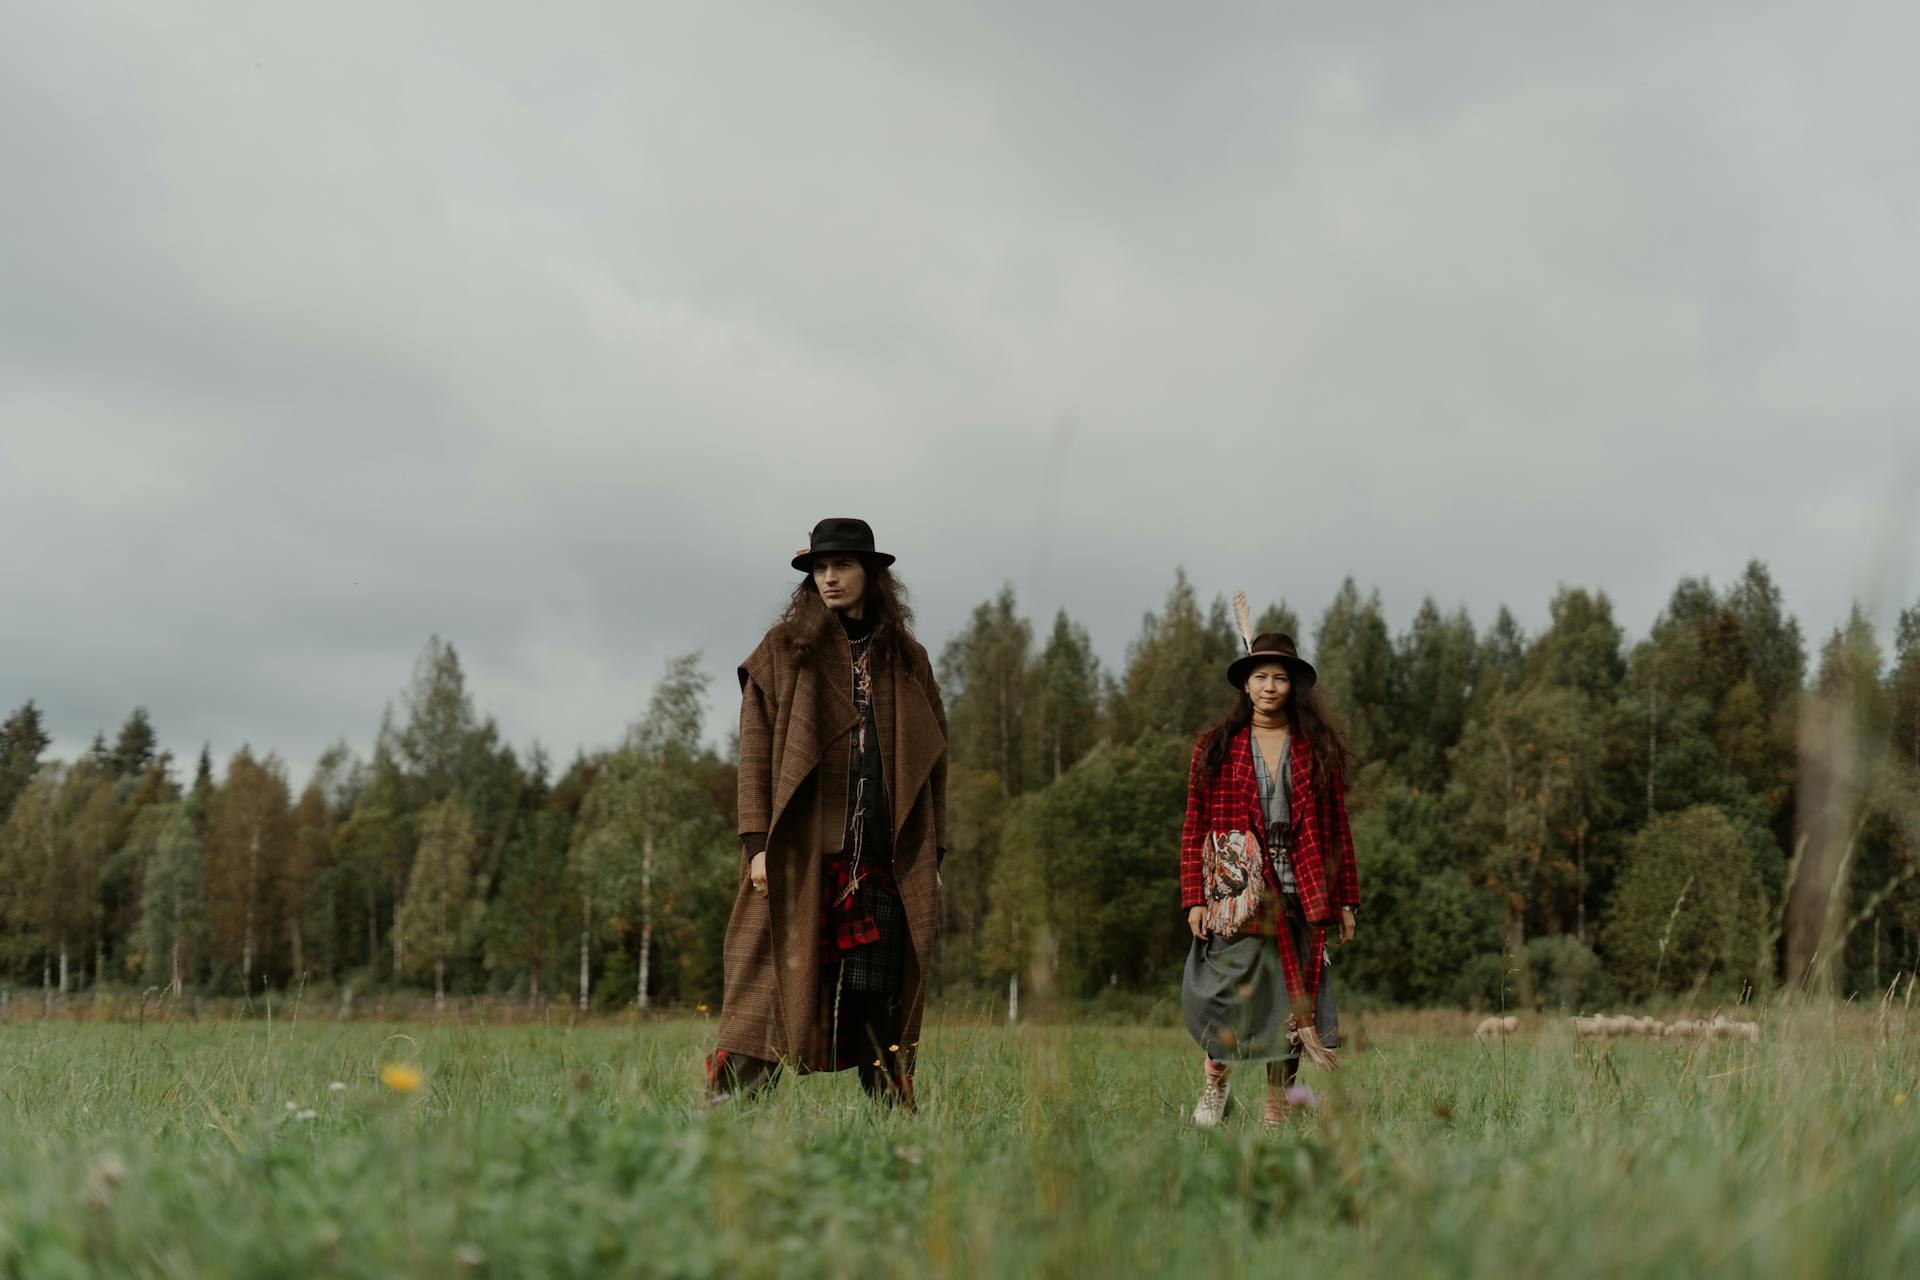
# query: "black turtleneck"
[[856, 628]]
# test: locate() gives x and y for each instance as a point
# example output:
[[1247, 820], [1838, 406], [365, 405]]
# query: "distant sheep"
[[1494, 1027], [1720, 1028]]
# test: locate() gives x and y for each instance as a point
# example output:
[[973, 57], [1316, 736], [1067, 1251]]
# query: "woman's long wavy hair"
[[804, 622], [1307, 717]]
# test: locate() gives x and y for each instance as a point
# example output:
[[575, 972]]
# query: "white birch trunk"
[[586, 933]]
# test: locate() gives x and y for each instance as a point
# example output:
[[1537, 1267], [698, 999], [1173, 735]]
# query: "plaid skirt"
[[878, 966]]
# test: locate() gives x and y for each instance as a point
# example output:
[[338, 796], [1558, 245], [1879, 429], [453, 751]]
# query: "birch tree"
[[247, 842], [171, 906], [437, 890]]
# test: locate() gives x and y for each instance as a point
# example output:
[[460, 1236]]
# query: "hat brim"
[[804, 561], [1242, 667]]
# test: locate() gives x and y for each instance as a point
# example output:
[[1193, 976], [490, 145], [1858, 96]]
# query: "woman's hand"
[[757, 872], [1346, 925], [1197, 921], [1314, 1049]]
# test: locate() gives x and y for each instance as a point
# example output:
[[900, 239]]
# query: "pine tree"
[[95, 825], [1581, 647], [526, 920], [1281, 618], [302, 875], [1500, 666], [31, 855], [1175, 678], [22, 740], [987, 681], [1065, 721], [1354, 657], [1904, 686], [1433, 678], [371, 850], [1843, 733], [1778, 655], [137, 746], [200, 798], [433, 745]]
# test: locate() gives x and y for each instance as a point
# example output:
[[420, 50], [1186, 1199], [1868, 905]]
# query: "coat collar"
[[911, 742]]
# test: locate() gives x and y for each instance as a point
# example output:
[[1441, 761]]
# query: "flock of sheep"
[[1719, 1027]]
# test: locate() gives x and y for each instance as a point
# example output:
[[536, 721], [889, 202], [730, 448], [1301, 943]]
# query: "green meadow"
[[250, 1148]]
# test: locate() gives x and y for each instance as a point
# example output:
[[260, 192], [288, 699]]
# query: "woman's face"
[[842, 581], [1268, 687]]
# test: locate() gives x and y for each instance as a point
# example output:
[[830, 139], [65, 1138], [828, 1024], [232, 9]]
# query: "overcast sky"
[[552, 328]]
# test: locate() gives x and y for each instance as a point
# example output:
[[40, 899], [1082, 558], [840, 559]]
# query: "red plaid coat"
[[1322, 853]]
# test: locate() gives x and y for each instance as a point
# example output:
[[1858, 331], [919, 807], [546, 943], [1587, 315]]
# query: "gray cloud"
[[552, 331]]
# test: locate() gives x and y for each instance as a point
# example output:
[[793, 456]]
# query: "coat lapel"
[[910, 739], [818, 713]]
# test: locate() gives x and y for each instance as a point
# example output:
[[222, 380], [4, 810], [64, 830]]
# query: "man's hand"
[[1346, 925], [757, 872]]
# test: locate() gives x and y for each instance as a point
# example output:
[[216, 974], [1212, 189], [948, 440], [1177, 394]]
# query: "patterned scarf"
[[846, 921]]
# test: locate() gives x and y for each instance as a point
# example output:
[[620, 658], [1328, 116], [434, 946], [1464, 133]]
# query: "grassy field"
[[247, 1149]]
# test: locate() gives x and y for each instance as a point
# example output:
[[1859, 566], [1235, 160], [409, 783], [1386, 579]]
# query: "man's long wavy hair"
[[803, 625], [1307, 717]]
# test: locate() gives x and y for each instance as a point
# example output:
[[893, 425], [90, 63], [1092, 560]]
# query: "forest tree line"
[[1555, 820]]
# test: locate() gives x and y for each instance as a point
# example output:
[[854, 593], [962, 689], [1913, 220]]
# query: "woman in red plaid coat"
[[1271, 768]]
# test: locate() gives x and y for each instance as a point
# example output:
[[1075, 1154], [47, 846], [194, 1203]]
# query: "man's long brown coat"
[[795, 725]]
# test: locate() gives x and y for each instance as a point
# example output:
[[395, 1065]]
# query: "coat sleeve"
[[1346, 880], [756, 765], [1192, 831]]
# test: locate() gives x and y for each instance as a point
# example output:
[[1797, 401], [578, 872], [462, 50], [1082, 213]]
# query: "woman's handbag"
[[1233, 877]]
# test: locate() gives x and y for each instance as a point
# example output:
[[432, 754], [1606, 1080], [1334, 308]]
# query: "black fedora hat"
[[840, 536], [1271, 646]]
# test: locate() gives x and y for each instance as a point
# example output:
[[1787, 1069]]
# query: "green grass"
[[169, 1149]]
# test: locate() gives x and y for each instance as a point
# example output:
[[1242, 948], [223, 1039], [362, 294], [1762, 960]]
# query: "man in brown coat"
[[843, 814]]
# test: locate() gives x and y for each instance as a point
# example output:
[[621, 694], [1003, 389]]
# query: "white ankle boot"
[[1212, 1107]]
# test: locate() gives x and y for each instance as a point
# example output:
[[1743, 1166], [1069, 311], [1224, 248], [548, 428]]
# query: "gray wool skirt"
[[1234, 998]]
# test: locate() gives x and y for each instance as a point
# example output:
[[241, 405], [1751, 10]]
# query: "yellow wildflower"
[[1900, 1099], [400, 1078]]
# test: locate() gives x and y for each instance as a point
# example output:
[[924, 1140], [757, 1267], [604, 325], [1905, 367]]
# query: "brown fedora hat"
[[1271, 646]]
